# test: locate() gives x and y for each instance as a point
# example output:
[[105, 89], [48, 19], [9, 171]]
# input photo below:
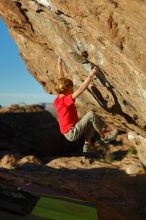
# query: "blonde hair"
[[63, 85]]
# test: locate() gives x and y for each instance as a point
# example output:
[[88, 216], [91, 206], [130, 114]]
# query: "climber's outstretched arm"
[[85, 84]]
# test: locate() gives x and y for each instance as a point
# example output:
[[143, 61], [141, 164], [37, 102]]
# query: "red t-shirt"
[[66, 112]]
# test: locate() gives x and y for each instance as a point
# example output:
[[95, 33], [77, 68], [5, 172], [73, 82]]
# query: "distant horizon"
[[35, 99], [26, 104], [17, 85]]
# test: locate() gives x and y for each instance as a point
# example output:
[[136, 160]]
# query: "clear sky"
[[17, 85]]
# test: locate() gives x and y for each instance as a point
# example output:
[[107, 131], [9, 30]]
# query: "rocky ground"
[[112, 176]]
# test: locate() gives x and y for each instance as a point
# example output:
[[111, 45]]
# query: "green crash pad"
[[56, 207]]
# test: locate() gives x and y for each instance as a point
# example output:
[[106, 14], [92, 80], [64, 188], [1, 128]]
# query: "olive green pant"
[[87, 126]]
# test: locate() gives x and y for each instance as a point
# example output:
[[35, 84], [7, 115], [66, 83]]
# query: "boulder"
[[109, 34]]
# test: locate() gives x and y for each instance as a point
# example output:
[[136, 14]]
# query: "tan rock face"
[[112, 33]]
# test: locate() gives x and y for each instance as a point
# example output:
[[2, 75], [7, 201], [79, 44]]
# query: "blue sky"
[[17, 85]]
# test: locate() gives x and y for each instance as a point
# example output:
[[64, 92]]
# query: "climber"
[[72, 128]]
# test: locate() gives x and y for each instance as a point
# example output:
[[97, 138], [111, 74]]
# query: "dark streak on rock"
[[58, 12], [39, 10], [116, 108], [19, 5]]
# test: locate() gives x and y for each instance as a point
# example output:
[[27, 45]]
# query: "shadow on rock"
[[34, 133]]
